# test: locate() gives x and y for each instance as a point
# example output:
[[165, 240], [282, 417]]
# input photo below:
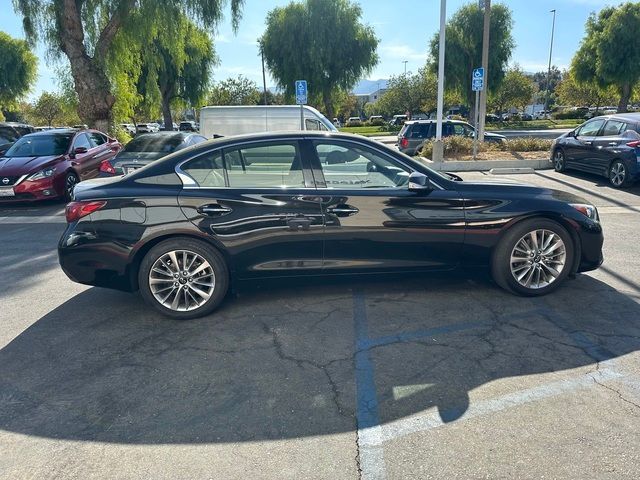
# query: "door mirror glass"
[[79, 150], [419, 182]]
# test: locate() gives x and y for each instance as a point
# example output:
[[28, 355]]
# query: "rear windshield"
[[40, 145], [154, 143]]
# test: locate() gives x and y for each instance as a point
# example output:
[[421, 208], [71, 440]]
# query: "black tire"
[[501, 267], [618, 174], [70, 181], [220, 276], [559, 160]]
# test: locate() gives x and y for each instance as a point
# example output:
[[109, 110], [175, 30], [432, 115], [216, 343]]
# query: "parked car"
[[146, 128], [527, 117], [337, 123], [47, 165], [608, 146], [188, 126], [20, 128], [130, 128], [398, 120], [376, 120], [81, 126], [174, 127], [147, 148], [287, 204], [415, 133], [492, 117], [353, 122], [8, 135], [244, 119]]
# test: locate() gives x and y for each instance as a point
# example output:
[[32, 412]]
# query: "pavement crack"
[[617, 392]]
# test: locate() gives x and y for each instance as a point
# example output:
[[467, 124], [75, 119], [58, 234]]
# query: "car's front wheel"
[[533, 258], [70, 182], [183, 278], [559, 164]]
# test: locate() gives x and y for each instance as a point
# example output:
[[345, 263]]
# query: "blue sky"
[[404, 29]]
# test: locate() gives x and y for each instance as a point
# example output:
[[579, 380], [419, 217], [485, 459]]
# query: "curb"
[[498, 167]]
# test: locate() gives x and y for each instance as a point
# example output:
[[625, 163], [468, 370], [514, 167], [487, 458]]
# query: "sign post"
[[477, 85], [301, 99]]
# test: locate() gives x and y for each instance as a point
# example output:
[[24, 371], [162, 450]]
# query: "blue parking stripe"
[[366, 399]]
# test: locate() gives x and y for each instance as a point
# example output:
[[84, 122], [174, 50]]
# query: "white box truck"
[[237, 120]]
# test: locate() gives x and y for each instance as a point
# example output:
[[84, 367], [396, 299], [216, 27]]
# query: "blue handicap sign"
[[478, 73], [477, 79], [301, 92]]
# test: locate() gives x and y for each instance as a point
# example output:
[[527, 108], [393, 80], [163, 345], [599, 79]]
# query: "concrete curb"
[[494, 166]]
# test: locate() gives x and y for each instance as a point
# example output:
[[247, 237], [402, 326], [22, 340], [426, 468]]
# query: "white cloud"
[[401, 52], [222, 38], [533, 66]]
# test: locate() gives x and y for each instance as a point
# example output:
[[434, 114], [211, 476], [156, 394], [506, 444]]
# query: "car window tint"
[[351, 166], [613, 127], [82, 141], [312, 124], [207, 170], [154, 143], [264, 166], [589, 129], [420, 130], [97, 138], [40, 145]]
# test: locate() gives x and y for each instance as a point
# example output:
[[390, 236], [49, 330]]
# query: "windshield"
[[154, 143], [40, 145]]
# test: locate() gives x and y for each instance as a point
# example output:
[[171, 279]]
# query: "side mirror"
[[572, 133], [419, 182], [80, 150]]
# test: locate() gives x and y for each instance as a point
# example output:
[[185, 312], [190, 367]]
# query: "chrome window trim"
[[189, 183]]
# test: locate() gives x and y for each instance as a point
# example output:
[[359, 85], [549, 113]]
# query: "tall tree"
[[18, 69], [463, 48], [48, 108], [321, 41], [541, 79], [609, 54], [584, 94], [516, 90], [235, 91], [411, 93], [84, 30]]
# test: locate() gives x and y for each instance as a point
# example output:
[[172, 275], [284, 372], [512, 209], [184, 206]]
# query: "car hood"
[[18, 166], [494, 135], [506, 188], [141, 158]]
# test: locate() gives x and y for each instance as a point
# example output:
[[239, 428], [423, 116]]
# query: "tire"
[[193, 295], [505, 271], [618, 174], [70, 181], [559, 161]]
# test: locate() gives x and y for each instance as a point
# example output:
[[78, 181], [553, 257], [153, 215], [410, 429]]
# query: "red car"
[[48, 164]]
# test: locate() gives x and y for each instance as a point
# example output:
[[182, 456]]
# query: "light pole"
[[405, 66], [264, 77], [437, 145], [553, 26]]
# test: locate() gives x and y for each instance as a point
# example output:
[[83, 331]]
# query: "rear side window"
[[420, 130], [264, 166], [97, 138], [613, 127], [207, 170], [405, 128]]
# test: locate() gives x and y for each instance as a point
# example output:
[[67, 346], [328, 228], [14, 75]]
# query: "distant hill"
[[369, 86]]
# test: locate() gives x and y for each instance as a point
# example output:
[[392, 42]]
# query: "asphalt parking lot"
[[415, 377]]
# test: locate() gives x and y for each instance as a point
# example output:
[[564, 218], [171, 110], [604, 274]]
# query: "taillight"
[[76, 210], [404, 143], [106, 167], [634, 144]]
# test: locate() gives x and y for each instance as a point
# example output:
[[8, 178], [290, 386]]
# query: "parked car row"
[[152, 127]]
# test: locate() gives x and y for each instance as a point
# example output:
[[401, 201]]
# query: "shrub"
[[570, 115], [120, 134], [456, 146], [376, 122], [525, 144]]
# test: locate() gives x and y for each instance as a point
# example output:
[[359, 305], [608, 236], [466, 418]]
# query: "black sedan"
[[608, 146], [270, 205], [147, 148]]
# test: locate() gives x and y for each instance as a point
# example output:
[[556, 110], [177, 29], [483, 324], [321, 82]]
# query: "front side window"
[[82, 141], [264, 166], [351, 166], [589, 129]]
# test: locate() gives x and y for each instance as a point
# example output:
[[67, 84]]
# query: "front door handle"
[[214, 210], [613, 144], [587, 142], [343, 210]]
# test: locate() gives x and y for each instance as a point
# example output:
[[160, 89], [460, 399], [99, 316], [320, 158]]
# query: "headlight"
[[587, 210], [46, 173]]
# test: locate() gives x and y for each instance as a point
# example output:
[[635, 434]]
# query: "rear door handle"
[[213, 210], [343, 210], [587, 142], [613, 144]]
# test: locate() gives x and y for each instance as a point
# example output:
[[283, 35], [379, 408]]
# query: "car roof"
[[60, 131], [628, 117]]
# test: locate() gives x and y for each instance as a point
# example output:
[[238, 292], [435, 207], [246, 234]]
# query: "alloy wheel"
[[69, 184], [558, 160], [617, 174], [538, 258], [182, 280]]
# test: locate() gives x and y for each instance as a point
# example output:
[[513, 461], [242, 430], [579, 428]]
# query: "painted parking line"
[[11, 220], [371, 435]]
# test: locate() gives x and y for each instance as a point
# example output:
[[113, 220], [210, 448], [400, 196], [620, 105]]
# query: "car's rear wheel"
[[559, 163], [533, 258], [70, 181], [183, 278], [618, 174]]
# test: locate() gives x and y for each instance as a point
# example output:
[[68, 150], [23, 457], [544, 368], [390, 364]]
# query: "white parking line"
[[427, 421], [26, 220]]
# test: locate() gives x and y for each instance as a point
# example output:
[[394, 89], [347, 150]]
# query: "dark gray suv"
[[416, 132]]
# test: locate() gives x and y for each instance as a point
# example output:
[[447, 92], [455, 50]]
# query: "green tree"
[[322, 41], [84, 31], [609, 54], [463, 48], [516, 90], [584, 94], [540, 78], [409, 92], [18, 69], [48, 108], [235, 91]]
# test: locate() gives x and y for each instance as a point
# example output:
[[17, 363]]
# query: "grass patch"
[[534, 124], [369, 131]]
